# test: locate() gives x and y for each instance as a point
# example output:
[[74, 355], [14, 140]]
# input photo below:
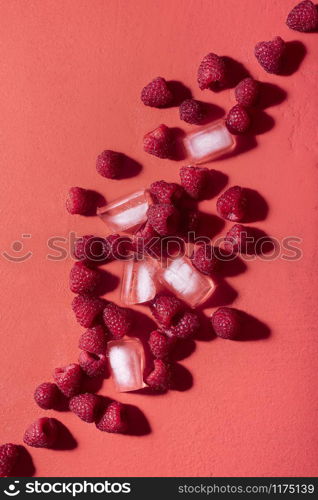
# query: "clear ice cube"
[[139, 280], [127, 213], [186, 282], [206, 143], [127, 361]]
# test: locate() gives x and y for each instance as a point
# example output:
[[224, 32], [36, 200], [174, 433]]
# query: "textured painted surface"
[[70, 77]]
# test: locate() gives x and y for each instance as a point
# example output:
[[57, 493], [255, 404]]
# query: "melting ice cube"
[[208, 142], [127, 213], [139, 281], [127, 360], [186, 282]]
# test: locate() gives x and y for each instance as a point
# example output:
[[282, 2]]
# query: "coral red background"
[[70, 78]]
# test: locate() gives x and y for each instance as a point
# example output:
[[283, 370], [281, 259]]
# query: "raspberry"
[[94, 340], [83, 279], [158, 142], [119, 246], [191, 111], [146, 241], [68, 379], [226, 323], [236, 239], [159, 378], [232, 204], [42, 433], [85, 406], [211, 72], [303, 17], [79, 201], [164, 308], [157, 93], [194, 180], [91, 248], [186, 326], [246, 92], [86, 308], [205, 260], [164, 218], [118, 320], [46, 395], [9, 454], [269, 54], [165, 192], [109, 164], [160, 344], [94, 365], [114, 418], [237, 120]]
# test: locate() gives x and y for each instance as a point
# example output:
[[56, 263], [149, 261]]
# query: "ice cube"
[[139, 281], [127, 213], [179, 276], [206, 143], [127, 361]]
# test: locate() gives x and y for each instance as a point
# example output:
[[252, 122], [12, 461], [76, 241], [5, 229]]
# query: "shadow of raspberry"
[[24, 466]]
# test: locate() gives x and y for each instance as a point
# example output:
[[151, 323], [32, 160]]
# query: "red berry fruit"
[[237, 120], [85, 406], [83, 279], [42, 433], [236, 239], [269, 54], [9, 454], [114, 418], [303, 17], [226, 323], [166, 192], [159, 378], [158, 142], [246, 92], [118, 320], [194, 180], [86, 308], [232, 204], [94, 365], [68, 379], [92, 249], [186, 326], [157, 93], [79, 201], [160, 345], [46, 395], [212, 72], [204, 258], [164, 218], [109, 164], [94, 340], [191, 111], [164, 308]]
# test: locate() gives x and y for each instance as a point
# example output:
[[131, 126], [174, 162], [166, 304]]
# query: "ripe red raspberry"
[[85, 406], [164, 308], [94, 365], [232, 204], [94, 340], [9, 454], [83, 279], [226, 323], [237, 120], [246, 92], [92, 249], [204, 258], [212, 72], [117, 320], [236, 239], [187, 326], [194, 180], [114, 419], [46, 395], [269, 54], [157, 93], [164, 218], [86, 308], [146, 241], [191, 111], [160, 345], [158, 142], [68, 379], [119, 246], [79, 201], [42, 433], [109, 164], [159, 378], [166, 192], [303, 17]]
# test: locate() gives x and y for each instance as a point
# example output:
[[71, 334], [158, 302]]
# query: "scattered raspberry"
[[83, 279], [191, 111], [79, 201], [166, 192], [94, 340], [8, 456], [157, 93], [164, 308], [236, 239], [226, 323], [204, 258], [147, 241], [164, 218], [117, 320], [109, 164], [269, 54], [303, 17], [114, 418], [237, 120], [46, 395], [85, 406], [86, 308], [160, 345], [186, 326], [119, 246], [158, 142], [246, 92], [211, 73], [194, 180], [94, 365], [159, 378], [92, 249], [232, 204], [42, 433], [68, 379]]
